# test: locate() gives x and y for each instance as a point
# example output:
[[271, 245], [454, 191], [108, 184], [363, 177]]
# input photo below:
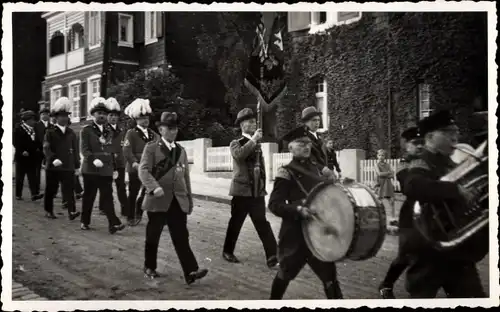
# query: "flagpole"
[[258, 150]]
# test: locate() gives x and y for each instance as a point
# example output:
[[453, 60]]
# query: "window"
[[75, 37], [321, 21], [94, 29], [93, 87], [74, 95], [322, 102], [150, 28], [424, 100], [57, 44], [126, 30], [55, 94]]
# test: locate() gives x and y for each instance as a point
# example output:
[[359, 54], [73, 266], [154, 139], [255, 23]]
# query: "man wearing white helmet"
[[62, 159], [133, 146], [98, 168]]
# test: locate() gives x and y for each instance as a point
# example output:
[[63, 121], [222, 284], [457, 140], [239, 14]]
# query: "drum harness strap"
[[302, 188]]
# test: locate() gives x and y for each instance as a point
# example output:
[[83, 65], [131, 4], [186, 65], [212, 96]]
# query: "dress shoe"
[[272, 262], [193, 276], [386, 293], [149, 273], [115, 228], [74, 215], [36, 197], [230, 257], [50, 215], [84, 227]]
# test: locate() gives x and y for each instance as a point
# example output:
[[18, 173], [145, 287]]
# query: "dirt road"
[[59, 261]]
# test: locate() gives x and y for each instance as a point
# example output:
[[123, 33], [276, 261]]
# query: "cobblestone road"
[[58, 261]]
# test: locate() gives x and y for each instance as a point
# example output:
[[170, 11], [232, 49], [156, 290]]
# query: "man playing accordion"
[[291, 187], [431, 269]]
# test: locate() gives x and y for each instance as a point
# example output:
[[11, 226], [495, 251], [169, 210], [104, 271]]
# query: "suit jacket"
[[283, 202], [24, 143], [244, 156], [117, 143], [92, 148], [318, 154], [133, 146], [62, 146], [422, 183], [40, 129], [175, 182]]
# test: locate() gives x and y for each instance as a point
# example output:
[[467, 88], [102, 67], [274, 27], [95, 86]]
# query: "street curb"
[[23, 293]]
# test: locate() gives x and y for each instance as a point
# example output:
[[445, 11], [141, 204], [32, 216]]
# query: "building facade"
[[85, 46], [372, 74]]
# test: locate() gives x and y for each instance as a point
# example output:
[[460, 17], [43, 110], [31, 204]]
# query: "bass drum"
[[349, 222]]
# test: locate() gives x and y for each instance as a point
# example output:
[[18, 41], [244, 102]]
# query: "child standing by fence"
[[384, 177]]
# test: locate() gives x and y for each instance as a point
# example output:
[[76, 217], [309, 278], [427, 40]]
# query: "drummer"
[[291, 187]]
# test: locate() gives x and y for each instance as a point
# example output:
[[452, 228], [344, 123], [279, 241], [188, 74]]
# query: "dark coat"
[[93, 149], [422, 183], [331, 159], [244, 155], [283, 202], [318, 154], [62, 146], [24, 143], [117, 144], [133, 146]]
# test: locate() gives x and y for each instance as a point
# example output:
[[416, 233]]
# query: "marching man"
[[133, 146], [291, 187], [118, 159], [245, 201], [164, 171], [97, 168], [62, 159]]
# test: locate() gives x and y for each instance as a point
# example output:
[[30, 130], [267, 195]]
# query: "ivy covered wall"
[[377, 63]]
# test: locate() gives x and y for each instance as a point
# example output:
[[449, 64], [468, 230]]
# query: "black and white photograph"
[[249, 156]]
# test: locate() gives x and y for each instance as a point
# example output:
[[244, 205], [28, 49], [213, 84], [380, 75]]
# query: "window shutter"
[[83, 99], [139, 27], [298, 21], [159, 24]]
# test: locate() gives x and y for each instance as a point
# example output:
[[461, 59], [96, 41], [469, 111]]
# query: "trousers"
[[134, 200], [92, 183], [23, 169], [67, 181]]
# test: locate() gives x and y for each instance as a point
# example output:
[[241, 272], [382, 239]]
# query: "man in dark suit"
[[331, 157], [413, 147], [164, 171], [98, 166], [291, 188], [119, 160], [431, 269], [245, 201], [62, 159], [133, 146], [28, 149], [40, 128]]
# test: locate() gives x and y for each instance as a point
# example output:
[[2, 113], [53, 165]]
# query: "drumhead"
[[333, 208]]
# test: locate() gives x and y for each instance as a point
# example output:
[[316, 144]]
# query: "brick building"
[[373, 74], [81, 46]]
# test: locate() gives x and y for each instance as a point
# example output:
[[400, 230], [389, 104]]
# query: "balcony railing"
[[67, 61]]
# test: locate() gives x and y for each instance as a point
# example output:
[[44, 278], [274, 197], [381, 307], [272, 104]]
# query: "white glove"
[[158, 192], [98, 163], [135, 165], [57, 163]]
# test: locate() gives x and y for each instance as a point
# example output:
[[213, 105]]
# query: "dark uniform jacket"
[[92, 148], [421, 183], [244, 156], [134, 144], [318, 154], [24, 143], [117, 143], [62, 146], [285, 198]]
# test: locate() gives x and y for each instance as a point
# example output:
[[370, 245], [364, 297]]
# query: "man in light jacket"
[[164, 172]]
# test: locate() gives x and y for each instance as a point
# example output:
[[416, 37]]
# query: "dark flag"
[[265, 73]]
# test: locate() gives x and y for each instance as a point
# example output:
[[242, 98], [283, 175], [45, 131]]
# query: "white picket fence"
[[368, 175], [219, 159]]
